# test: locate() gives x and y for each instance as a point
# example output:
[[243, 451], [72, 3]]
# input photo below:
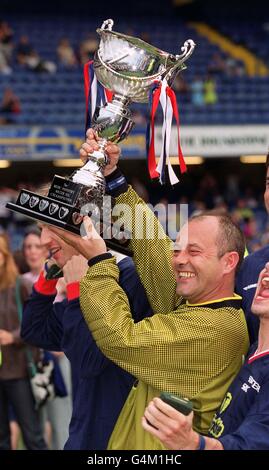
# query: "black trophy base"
[[63, 212]]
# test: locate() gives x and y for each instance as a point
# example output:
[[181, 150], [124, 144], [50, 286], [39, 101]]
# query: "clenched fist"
[[75, 269], [91, 144]]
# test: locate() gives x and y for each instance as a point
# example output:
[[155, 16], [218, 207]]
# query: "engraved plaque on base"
[[62, 208]]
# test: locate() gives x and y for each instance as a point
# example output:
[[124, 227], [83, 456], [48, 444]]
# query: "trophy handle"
[[187, 50], [107, 25]]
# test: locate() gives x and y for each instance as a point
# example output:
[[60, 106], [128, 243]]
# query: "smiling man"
[[194, 343], [242, 422], [61, 252]]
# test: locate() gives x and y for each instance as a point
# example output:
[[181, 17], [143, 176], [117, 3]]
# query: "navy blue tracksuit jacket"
[[100, 387], [242, 422]]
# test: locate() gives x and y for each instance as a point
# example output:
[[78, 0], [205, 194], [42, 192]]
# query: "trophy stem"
[[121, 99], [102, 143], [119, 106], [91, 174]]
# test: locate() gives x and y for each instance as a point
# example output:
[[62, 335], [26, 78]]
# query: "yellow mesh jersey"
[[152, 253], [191, 350]]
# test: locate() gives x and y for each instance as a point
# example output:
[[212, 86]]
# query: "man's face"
[[266, 193], [260, 304], [198, 268], [60, 251]]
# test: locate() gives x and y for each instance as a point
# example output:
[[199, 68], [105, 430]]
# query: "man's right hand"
[[91, 144], [75, 269]]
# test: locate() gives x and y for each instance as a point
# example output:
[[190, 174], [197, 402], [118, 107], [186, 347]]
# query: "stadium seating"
[[58, 98]]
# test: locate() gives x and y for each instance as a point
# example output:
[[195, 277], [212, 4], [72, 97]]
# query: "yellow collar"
[[235, 297]]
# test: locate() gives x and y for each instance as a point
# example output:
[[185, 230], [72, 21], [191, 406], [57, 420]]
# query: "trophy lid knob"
[[107, 25]]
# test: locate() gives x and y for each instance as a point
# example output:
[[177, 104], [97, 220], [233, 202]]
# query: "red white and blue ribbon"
[[163, 94], [154, 98], [95, 94]]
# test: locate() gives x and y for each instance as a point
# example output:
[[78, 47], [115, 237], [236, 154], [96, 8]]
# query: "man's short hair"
[[229, 238]]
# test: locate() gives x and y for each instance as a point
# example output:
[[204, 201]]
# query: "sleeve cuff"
[[72, 290], [44, 286], [99, 258], [116, 183]]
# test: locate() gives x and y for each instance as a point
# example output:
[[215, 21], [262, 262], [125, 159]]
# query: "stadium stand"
[[57, 97]]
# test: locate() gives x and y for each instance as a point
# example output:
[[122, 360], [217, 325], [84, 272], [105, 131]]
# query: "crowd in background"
[[24, 53], [20, 54], [243, 203]]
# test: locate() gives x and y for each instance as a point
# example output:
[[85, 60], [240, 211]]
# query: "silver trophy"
[[128, 67]]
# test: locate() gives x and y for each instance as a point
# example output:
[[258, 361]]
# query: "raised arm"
[[152, 252], [42, 320], [152, 248]]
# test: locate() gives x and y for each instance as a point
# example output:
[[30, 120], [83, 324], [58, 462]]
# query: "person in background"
[[15, 386], [56, 413], [197, 92], [65, 53], [34, 254], [27, 57], [10, 102], [210, 91], [6, 47], [242, 422], [87, 48], [10, 106], [247, 278], [6, 40]]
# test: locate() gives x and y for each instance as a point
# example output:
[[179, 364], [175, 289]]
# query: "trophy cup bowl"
[[128, 67]]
